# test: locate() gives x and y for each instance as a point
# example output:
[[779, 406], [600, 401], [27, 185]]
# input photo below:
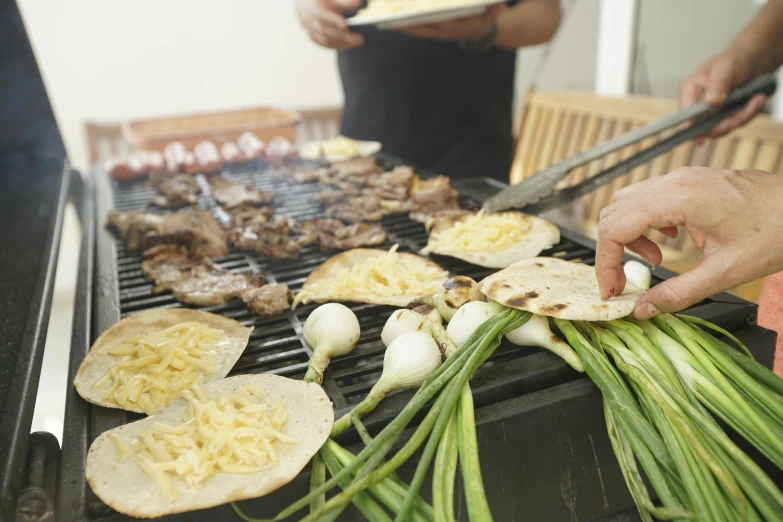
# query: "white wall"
[[113, 60]]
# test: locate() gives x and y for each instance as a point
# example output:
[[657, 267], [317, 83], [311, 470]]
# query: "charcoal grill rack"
[[518, 386]]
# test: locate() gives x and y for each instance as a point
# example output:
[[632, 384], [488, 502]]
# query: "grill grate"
[[276, 345], [112, 286]]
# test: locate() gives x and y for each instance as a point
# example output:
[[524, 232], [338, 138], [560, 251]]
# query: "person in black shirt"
[[437, 95]]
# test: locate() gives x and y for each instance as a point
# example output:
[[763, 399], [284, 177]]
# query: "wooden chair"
[[105, 140], [558, 124]]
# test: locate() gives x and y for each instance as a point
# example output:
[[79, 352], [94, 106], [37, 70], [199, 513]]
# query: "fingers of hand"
[[747, 113], [646, 248], [726, 73], [679, 292], [692, 91]]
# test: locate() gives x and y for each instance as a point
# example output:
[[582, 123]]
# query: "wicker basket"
[[220, 127]]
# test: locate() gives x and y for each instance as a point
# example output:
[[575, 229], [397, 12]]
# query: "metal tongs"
[[537, 193]]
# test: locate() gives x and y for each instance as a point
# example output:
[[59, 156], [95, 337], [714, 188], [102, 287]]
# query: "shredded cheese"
[[480, 232], [340, 147], [383, 7], [230, 434], [384, 276], [152, 369]]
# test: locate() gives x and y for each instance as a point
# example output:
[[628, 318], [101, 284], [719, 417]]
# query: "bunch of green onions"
[[664, 382], [359, 476]]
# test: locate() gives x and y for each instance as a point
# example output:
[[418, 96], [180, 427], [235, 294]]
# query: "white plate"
[[312, 150], [424, 16]]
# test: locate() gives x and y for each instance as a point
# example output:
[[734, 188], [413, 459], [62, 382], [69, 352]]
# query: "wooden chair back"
[[558, 124]]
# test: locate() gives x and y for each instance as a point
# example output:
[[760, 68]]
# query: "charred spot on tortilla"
[[541, 265], [506, 286], [517, 301], [531, 295], [453, 283]]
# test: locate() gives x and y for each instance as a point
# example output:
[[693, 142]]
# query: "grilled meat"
[[243, 216], [430, 217], [272, 299], [196, 230], [210, 285], [433, 194], [358, 209], [271, 236], [299, 176], [332, 234], [174, 191], [194, 279], [234, 195]]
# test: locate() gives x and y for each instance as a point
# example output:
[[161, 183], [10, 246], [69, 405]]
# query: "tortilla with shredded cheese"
[[338, 149], [494, 240], [141, 363], [557, 288], [366, 275], [159, 465]]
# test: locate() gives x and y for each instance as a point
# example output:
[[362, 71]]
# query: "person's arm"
[[530, 22], [733, 217], [757, 50]]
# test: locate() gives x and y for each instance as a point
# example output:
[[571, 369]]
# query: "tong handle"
[[763, 84]]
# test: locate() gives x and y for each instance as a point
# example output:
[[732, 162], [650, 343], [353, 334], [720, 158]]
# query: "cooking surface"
[[530, 404]]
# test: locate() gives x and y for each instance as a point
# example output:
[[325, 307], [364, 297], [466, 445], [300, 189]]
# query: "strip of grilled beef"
[[194, 279], [271, 299], [232, 195], [333, 234], [197, 230], [268, 235]]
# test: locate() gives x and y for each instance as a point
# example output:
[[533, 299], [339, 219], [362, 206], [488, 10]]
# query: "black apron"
[[432, 103]]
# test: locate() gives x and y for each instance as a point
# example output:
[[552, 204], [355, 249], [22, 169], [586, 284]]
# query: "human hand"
[[734, 217], [471, 28], [714, 80], [325, 23]]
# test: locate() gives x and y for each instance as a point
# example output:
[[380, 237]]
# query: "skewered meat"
[[267, 235], [272, 299], [194, 279], [208, 157], [333, 234], [195, 229], [190, 165], [174, 154], [251, 146], [174, 191], [119, 169], [279, 148], [233, 195], [231, 153], [156, 164]]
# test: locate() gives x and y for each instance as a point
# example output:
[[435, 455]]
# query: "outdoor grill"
[[544, 450]]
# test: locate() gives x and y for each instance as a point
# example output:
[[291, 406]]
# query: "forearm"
[[762, 39], [530, 22]]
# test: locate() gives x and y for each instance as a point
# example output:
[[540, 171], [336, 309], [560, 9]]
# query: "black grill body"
[[543, 444]]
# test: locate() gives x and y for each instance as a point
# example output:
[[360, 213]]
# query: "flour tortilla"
[[98, 361], [541, 235], [557, 288], [338, 264], [127, 489]]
